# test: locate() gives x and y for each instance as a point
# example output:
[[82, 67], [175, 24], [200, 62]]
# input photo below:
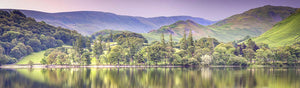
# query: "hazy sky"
[[208, 9]]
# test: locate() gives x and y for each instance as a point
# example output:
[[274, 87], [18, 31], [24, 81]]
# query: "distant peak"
[[190, 21]]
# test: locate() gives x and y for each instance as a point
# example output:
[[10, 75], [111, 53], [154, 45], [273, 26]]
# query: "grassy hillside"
[[253, 22], [283, 33], [35, 57]]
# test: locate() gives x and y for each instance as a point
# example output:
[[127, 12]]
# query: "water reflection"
[[150, 78]]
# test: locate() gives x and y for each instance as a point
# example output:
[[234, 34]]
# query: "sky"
[[208, 9]]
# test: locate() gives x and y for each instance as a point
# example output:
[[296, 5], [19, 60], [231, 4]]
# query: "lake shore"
[[83, 66], [122, 66]]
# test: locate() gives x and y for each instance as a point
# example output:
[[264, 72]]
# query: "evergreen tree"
[[252, 45], [163, 40], [190, 40], [98, 48], [110, 37], [171, 40], [183, 44], [88, 45], [79, 47], [108, 46]]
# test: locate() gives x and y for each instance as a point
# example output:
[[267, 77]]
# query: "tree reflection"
[[150, 77]]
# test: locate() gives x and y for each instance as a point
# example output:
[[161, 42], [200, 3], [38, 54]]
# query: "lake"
[[210, 77]]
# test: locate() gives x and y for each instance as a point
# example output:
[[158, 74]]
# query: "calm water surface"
[[150, 78]]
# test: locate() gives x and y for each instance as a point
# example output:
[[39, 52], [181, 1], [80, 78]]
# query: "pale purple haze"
[[208, 9]]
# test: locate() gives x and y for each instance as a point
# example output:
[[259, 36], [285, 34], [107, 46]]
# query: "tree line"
[[129, 48]]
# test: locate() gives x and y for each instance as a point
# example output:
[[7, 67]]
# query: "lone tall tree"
[[163, 39], [110, 37], [171, 40], [79, 46], [183, 44], [88, 44], [190, 40], [98, 48]]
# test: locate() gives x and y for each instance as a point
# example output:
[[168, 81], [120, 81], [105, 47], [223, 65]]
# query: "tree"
[[110, 37], [98, 48], [156, 53], [171, 40], [252, 45], [35, 44], [114, 54], [190, 41], [19, 51], [263, 55], [206, 60], [43, 61], [249, 54], [183, 44], [190, 44], [30, 63], [237, 60], [108, 46], [4, 59], [79, 46], [222, 53], [88, 44], [86, 58], [163, 40]]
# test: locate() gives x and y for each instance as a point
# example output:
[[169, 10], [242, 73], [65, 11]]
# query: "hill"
[[253, 22], [88, 22], [106, 33], [177, 30], [21, 35], [285, 32]]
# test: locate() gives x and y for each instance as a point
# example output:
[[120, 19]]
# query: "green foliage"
[[86, 58], [222, 53], [156, 52], [263, 56], [237, 60], [57, 57], [163, 40], [183, 42], [30, 63], [114, 54], [171, 40], [98, 47], [206, 60], [190, 40], [21, 35]]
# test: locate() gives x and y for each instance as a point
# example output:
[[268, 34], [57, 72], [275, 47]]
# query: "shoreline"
[[83, 66], [14, 66]]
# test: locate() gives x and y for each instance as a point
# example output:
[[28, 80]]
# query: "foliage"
[[21, 35], [206, 60], [237, 60]]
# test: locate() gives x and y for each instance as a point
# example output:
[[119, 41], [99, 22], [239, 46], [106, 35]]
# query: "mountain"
[[253, 22], [283, 33], [177, 30], [88, 22], [106, 32]]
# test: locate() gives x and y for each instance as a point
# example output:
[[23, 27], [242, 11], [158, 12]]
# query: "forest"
[[129, 48], [21, 35]]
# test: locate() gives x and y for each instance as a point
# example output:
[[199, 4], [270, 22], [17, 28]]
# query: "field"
[[35, 57]]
